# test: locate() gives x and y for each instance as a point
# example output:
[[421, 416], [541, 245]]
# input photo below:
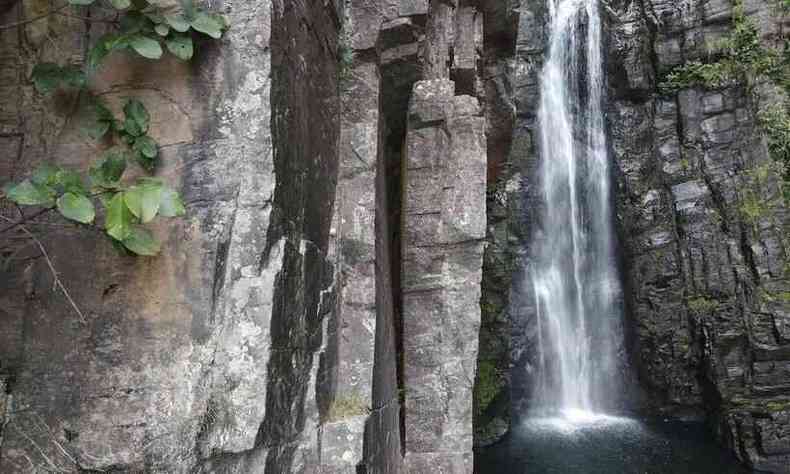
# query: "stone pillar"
[[443, 229], [353, 327], [4, 402]]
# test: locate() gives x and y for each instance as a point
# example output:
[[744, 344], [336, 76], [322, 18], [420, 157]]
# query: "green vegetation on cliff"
[[489, 384], [743, 59], [346, 407]]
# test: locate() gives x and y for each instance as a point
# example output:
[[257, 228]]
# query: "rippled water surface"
[[606, 445]]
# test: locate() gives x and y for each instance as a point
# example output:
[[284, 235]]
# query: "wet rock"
[[695, 261]]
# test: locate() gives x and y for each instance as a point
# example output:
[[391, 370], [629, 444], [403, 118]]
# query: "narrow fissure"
[[394, 112], [397, 78]]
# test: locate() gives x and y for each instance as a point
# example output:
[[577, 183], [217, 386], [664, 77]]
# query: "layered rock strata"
[[706, 274], [702, 228]]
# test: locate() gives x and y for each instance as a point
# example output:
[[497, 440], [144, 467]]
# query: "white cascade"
[[574, 273]]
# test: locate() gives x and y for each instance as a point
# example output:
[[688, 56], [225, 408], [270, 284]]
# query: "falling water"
[[574, 275]]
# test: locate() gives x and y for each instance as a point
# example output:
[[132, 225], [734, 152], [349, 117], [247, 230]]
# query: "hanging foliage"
[[148, 30]]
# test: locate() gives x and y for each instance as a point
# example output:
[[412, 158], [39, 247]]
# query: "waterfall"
[[573, 271]]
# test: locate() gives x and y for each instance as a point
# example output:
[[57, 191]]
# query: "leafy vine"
[[745, 60], [146, 29]]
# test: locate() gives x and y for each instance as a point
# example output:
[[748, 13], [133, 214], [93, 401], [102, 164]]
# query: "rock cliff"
[[704, 272], [206, 357], [344, 294], [279, 328]]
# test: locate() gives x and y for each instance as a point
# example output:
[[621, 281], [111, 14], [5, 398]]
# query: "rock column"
[[443, 230]]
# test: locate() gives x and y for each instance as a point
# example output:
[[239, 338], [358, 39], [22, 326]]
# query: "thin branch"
[[24, 219], [87, 18], [55, 274], [58, 283], [38, 448], [53, 439], [15, 24]]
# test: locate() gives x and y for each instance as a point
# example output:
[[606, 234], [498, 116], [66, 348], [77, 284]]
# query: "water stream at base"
[[573, 275], [610, 445]]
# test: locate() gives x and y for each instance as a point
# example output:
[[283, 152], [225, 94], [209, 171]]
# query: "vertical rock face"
[[508, 335], [350, 357], [504, 211], [267, 336], [444, 227], [205, 358], [367, 359], [705, 272]]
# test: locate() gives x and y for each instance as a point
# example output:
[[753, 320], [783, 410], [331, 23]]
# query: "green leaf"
[[155, 16], [119, 42], [208, 24], [151, 180], [28, 193], [97, 120], [121, 4], [49, 76], [96, 55], [178, 22], [76, 207], [114, 164], [132, 129], [148, 164], [118, 246], [105, 199], [171, 204], [180, 46], [73, 76], [189, 8], [137, 118], [119, 219], [135, 110], [223, 20], [117, 125], [143, 200], [97, 129], [45, 174], [146, 47], [162, 29], [107, 43], [46, 77], [146, 146], [102, 112], [97, 178], [81, 2], [141, 242], [107, 172], [135, 22], [71, 182]]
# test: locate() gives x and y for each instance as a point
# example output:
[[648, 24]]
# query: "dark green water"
[[610, 446]]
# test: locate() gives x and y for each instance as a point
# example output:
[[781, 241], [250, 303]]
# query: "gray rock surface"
[[204, 358], [704, 276], [265, 337], [317, 310], [444, 228], [507, 337]]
